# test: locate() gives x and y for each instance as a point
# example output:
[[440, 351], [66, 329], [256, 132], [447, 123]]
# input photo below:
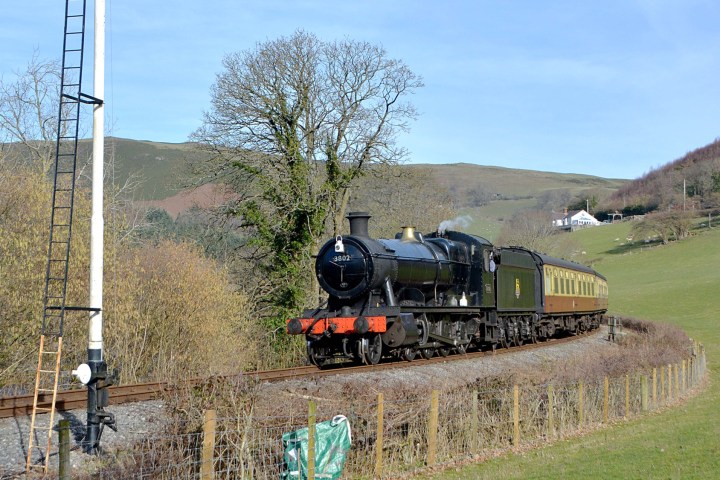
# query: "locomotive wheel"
[[374, 350], [314, 354], [462, 348], [427, 353], [408, 354], [444, 352]]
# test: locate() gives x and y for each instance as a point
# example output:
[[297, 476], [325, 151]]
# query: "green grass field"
[[488, 219], [679, 284]]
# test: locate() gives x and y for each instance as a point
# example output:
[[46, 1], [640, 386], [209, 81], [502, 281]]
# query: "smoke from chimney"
[[463, 221]]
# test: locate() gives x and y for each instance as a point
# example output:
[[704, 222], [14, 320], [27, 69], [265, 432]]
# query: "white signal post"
[[97, 222], [99, 379]]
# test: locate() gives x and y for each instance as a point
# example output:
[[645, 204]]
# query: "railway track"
[[119, 394]]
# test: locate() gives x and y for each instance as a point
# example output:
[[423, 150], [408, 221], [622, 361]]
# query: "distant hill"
[[692, 181], [161, 167], [507, 183], [489, 195]]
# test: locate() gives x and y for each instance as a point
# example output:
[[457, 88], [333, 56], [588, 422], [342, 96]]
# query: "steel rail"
[[118, 394]]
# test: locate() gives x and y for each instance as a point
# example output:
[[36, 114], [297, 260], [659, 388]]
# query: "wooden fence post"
[[580, 404], [379, 437], [551, 411], [662, 384], [516, 415], [606, 399], [644, 388], [670, 387], [684, 379], [64, 467], [654, 387], [312, 418], [207, 469], [474, 426], [676, 370], [627, 396], [433, 428]]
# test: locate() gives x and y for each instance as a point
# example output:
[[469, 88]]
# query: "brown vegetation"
[[698, 173], [401, 197], [175, 315], [643, 346], [169, 312]]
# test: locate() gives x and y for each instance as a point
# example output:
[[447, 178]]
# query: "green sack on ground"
[[332, 442]]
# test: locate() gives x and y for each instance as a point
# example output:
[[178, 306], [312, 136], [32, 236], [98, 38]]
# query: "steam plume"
[[463, 221]]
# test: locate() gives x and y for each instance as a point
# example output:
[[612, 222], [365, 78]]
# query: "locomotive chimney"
[[358, 223], [408, 234]]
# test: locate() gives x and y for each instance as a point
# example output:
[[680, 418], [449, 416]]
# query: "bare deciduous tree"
[[294, 122], [28, 113], [403, 197], [554, 200], [665, 225], [533, 229]]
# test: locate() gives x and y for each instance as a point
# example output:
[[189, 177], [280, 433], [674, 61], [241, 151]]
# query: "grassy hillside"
[[509, 183], [678, 284], [488, 219], [159, 167], [510, 190]]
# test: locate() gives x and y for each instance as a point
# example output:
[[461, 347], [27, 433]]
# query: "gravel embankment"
[[438, 375]]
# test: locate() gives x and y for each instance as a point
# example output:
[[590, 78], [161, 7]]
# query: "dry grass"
[[643, 346]]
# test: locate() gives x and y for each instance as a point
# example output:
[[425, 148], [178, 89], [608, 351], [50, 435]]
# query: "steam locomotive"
[[445, 291]]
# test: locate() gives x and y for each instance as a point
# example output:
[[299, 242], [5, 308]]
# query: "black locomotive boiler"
[[441, 292]]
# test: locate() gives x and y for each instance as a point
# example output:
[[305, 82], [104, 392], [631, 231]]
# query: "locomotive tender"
[[444, 291]]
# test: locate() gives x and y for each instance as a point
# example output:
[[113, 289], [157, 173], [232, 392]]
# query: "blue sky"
[[611, 88]]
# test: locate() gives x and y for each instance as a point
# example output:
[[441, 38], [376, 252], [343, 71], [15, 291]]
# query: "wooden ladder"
[[46, 387]]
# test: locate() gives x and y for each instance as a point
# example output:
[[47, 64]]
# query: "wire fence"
[[397, 437]]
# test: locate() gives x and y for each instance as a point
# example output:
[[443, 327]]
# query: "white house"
[[574, 218]]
